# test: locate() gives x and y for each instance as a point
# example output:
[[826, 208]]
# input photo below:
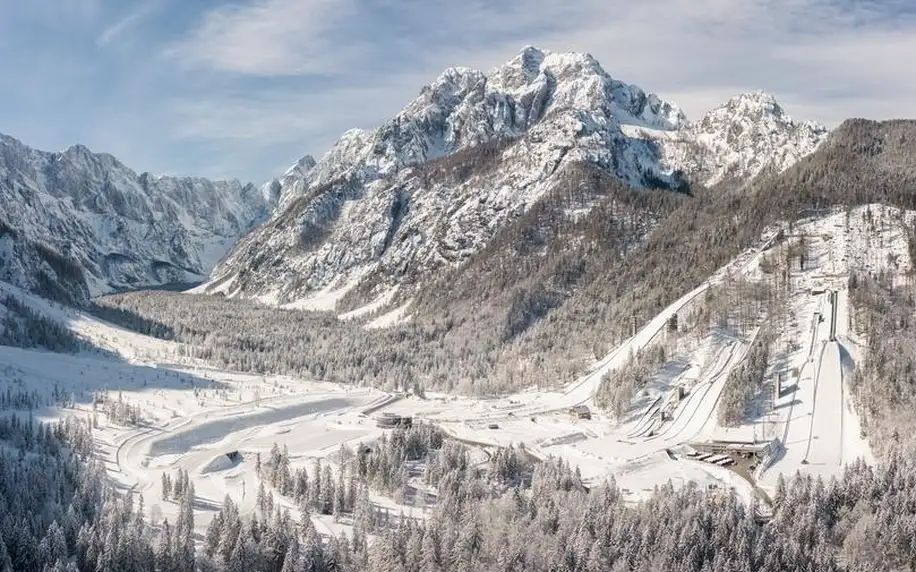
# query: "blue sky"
[[243, 89]]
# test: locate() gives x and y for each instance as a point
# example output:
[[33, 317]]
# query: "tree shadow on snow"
[[85, 377], [787, 404], [846, 362], [32, 378]]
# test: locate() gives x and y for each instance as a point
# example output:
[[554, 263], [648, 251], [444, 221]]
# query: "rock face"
[[750, 134], [473, 151], [75, 223]]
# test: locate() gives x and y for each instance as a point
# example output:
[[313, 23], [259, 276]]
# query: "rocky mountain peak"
[[529, 59], [308, 162], [577, 81], [520, 71], [464, 108], [453, 81], [434, 184], [754, 106], [755, 99], [747, 135], [302, 167]]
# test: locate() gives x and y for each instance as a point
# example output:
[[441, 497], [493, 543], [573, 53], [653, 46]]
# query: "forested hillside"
[[557, 288], [23, 327]]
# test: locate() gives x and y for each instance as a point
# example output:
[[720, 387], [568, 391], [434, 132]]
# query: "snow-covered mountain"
[[748, 135], [473, 151], [76, 223]]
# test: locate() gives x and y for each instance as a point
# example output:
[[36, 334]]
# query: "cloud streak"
[[114, 31], [270, 38]]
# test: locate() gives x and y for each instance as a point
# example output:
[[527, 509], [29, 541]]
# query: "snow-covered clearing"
[[324, 300], [392, 318], [371, 307]]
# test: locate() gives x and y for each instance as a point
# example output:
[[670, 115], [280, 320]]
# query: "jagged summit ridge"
[[747, 135], [473, 151], [464, 107], [754, 106]]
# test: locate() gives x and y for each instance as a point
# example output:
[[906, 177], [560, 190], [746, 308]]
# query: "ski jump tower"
[[833, 298]]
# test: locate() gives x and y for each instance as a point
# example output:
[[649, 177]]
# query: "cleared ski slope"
[[693, 414], [825, 437]]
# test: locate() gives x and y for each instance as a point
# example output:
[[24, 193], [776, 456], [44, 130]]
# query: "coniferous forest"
[[57, 513]]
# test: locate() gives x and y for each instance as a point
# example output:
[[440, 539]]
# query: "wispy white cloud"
[[267, 115], [271, 38], [126, 23], [296, 120]]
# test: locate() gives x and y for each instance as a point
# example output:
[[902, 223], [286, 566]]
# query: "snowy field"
[[194, 416]]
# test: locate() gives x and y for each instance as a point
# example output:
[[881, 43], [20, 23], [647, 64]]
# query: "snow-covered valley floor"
[[194, 415]]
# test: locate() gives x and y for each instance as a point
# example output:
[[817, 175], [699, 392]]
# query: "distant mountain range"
[[75, 223]]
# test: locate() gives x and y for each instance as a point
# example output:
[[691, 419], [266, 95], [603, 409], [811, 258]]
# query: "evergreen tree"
[[312, 553], [292, 556], [431, 559], [383, 557], [315, 495], [340, 492], [166, 486], [6, 564], [165, 561], [326, 492], [184, 530], [244, 553]]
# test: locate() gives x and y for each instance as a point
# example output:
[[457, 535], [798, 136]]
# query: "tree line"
[[23, 327]]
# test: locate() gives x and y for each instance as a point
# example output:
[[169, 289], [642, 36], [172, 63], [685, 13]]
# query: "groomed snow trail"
[[583, 390], [197, 434]]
